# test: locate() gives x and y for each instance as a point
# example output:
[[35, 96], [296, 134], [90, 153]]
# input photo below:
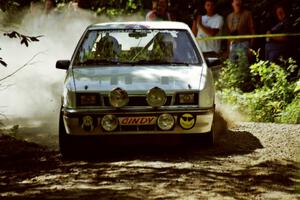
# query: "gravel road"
[[250, 161]]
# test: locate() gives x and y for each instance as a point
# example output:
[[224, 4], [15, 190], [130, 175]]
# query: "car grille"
[[137, 101]]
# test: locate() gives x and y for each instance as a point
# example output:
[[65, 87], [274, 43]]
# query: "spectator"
[[49, 6], [34, 8], [73, 6], [278, 46], [239, 22], [208, 25], [159, 11]]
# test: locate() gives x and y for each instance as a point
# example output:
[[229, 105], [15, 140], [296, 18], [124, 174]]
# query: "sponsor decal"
[[187, 121], [87, 123], [129, 121]]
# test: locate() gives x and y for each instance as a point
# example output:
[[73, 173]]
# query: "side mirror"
[[63, 64], [212, 59]]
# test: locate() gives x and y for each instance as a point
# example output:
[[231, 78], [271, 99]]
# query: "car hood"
[[134, 79]]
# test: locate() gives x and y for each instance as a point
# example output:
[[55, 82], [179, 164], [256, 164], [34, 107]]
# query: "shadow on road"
[[172, 149], [29, 171]]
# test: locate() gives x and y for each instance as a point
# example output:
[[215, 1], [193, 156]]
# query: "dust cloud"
[[227, 116], [31, 98]]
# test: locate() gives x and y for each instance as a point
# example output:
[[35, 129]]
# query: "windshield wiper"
[[98, 62], [179, 63]]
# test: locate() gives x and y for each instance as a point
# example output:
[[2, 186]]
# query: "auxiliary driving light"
[[118, 98], [165, 122], [156, 97], [109, 123]]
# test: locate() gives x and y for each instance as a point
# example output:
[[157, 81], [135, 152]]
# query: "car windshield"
[[137, 47]]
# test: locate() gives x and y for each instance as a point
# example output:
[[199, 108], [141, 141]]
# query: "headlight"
[[165, 122], [186, 98], [87, 99], [118, 98], [109, 123], [156, 97]]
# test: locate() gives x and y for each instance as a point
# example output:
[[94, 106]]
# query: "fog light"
[[187, 121], [87, 123], [118, 98], [156, 97], [165, 122], [109, 123]]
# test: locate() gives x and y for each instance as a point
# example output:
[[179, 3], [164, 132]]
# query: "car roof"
[[140, 25]]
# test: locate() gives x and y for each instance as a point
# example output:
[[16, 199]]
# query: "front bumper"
[[73, 122]]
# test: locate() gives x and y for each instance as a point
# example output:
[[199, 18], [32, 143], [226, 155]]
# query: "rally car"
[[136, 78]]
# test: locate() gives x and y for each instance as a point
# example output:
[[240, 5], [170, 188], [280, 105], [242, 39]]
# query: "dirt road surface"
[[250, 161]]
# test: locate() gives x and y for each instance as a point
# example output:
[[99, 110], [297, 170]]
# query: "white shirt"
[[216, 22], [152, 16]]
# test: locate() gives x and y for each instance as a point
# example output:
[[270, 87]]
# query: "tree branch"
[[20, 68]]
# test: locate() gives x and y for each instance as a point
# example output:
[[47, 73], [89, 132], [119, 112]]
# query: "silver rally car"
[[136, 78]]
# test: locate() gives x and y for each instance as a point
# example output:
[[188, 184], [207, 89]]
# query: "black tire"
[[65, 140], [210, 137]]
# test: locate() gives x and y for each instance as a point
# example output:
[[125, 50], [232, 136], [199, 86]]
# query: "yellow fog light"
[[156, 97], [109, 123], [165, 122], [118, 98]]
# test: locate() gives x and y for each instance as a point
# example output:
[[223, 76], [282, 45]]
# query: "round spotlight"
[[118, 98], [165, 122], [109, 123], [156, 97]]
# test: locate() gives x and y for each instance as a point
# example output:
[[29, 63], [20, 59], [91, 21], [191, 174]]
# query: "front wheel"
[[65, 140], [210, 136]]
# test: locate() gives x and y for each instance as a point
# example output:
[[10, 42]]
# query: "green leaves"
[[297, 88], [275, 93]]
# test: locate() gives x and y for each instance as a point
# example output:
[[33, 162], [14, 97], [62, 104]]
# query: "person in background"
[[73, 6], [35, 8], [278, 46], [49, 6], [207, 26], [239, 22], [159, 11]]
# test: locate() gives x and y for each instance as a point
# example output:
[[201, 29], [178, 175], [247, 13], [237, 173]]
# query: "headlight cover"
[[109, 123], [165, 122], [156, 97], [187, 98], [86, 99], [118, 98]]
